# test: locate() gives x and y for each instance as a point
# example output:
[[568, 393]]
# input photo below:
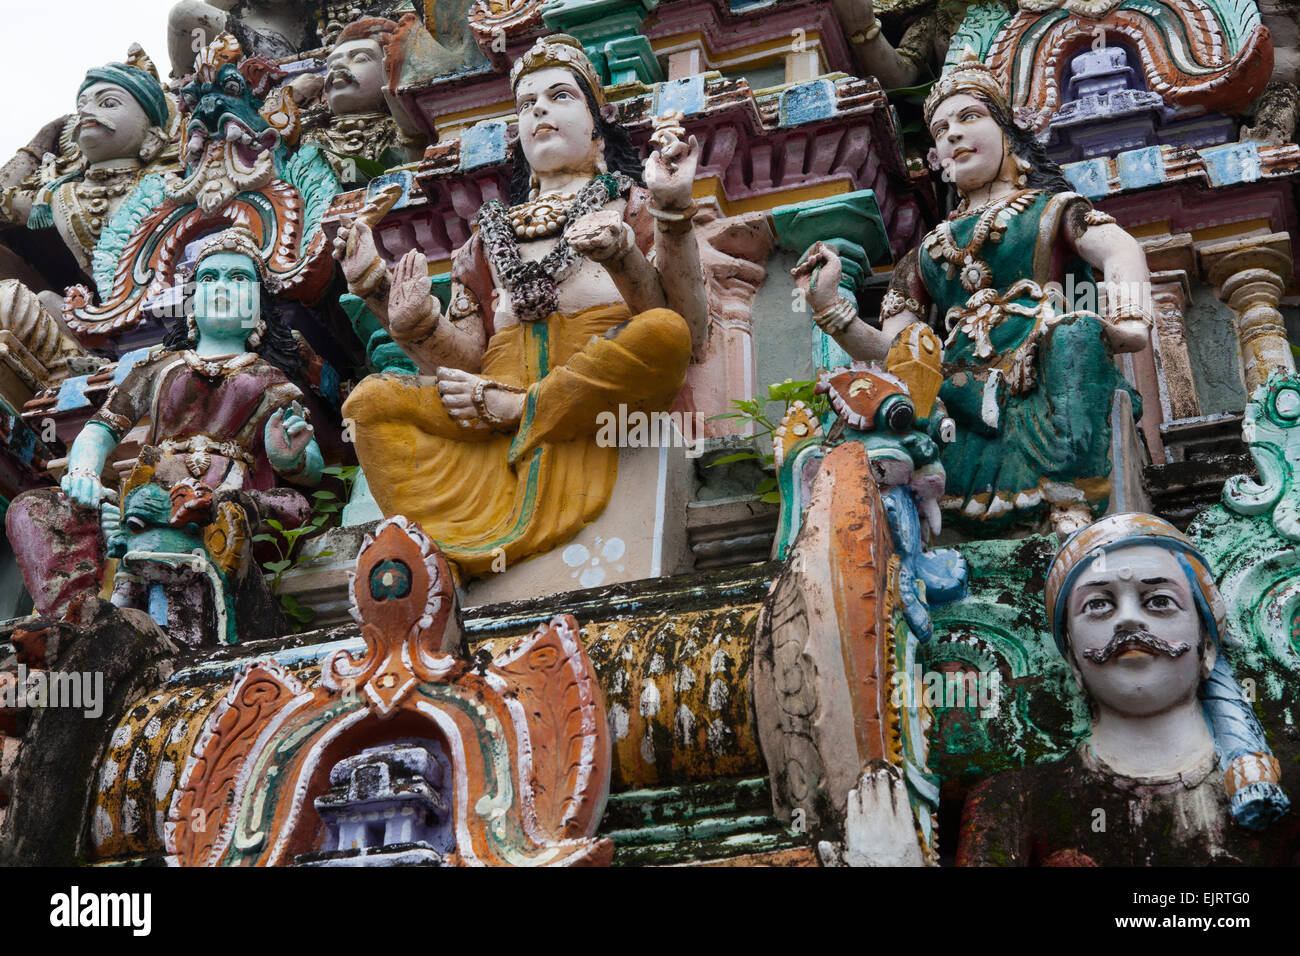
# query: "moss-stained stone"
[[1001, 628], [1215, 353]]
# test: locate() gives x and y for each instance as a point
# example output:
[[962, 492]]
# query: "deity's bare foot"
[[477, 402], [1067, 519]]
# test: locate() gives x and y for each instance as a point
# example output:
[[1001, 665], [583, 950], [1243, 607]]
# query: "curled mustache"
[[83, 120], [1124, 638], [339, 73]]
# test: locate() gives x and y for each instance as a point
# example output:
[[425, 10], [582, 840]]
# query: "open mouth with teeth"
[[244, 146]]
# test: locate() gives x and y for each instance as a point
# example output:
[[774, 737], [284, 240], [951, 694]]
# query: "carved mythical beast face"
[[233, 137], [226, 108]]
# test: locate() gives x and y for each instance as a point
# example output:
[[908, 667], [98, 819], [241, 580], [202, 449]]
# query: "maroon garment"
[[233, 406]]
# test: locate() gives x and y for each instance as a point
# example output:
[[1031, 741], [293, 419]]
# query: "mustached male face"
[[110, 123], [1136, 642], [354, 81]]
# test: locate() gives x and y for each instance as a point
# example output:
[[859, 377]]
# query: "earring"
[[534, 187], [192, 328], [1023, 169], [601, 167]]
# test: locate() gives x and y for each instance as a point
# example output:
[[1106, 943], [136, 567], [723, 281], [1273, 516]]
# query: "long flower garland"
[[533, 286]]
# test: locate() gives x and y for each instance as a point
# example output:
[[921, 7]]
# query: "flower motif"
[[587, 567]]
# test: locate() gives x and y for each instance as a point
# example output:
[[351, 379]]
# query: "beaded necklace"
[[533, 286]]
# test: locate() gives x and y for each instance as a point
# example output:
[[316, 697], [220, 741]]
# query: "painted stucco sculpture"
[[1028, 383], [556, 314], [831, 643], [507, 759], [1269, 428], [121, 128], [359, 125], [903, 437], [1175, 760], [225, 420], [235, 131]]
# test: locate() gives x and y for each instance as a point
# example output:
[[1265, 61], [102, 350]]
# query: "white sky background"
[[49, 44]]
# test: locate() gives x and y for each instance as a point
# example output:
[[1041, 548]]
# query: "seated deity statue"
[[1028, 383], [360, 122], [225, 421], [1174, 769], [586, 294], [121, 128]]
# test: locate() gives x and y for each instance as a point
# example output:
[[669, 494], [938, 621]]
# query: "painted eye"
[[1161, 602], [232, 87], [189, 99], [1096, 605]]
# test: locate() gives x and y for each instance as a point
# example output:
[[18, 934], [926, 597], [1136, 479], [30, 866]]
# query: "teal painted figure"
[[1269, 427], [1028, 369], [225, 423]]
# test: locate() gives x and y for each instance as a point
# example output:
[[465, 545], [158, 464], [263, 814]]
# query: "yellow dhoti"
[[484, 495]]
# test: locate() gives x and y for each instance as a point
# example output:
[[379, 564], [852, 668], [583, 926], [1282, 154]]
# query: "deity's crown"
[[564, 51], [236, 239], [968, 76]]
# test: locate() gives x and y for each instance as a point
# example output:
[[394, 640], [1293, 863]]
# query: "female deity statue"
[[1028, 384], [585, 294], [225, 420]]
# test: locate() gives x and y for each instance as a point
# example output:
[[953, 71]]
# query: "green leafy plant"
[[325, 507], [753, 411]]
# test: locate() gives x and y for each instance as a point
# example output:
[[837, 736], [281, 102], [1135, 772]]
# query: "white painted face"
[[968, 140], [1136, 589], [555, 123], [354, 81], [110, 123]]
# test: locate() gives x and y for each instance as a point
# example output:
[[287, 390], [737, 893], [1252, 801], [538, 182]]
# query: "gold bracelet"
[[370, 280], [867, 35], [1131, 313]]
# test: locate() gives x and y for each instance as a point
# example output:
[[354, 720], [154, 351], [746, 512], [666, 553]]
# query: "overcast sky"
[[49, 45]]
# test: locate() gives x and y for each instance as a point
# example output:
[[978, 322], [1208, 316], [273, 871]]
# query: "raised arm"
[[818, 277], [670, 177], [415, 319]]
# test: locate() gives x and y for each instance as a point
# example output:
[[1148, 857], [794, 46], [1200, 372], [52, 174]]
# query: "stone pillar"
[[1251, 275], [1171, 292]]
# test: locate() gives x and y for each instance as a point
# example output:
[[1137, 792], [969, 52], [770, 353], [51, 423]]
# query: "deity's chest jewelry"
[[964, 261], [534, 286], [216, 368], [540, 216]]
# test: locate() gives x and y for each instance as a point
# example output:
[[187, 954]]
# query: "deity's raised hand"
[[817, 276], [600, 235], [670, 170], [288, 433], [354, 246], [412, 311]]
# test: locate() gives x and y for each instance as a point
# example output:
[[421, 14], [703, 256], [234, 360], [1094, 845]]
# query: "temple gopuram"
[[636, 433]]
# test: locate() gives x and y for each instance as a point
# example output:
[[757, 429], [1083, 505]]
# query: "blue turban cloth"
[[144, 89], [1251, 772]]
